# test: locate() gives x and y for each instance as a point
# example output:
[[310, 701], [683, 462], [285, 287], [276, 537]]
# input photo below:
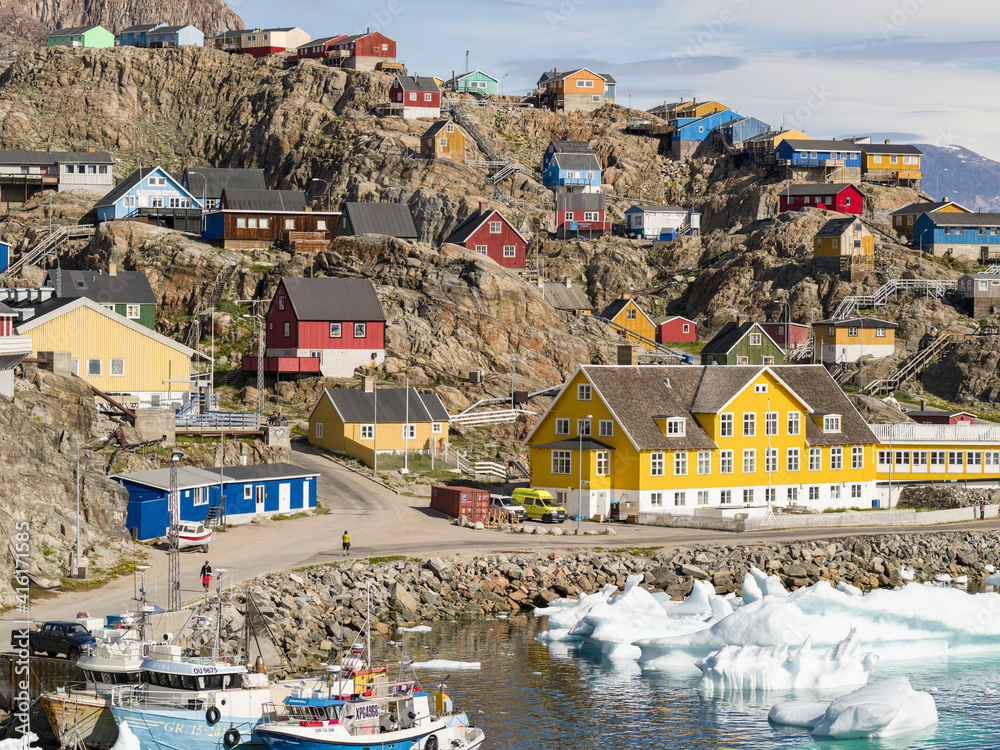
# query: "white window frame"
[[770, 460], [680, 498], [704, 462], [336, 330], [409, 431], [367, 432], [603, 463], [510, 251], [121, 367], [680, 463], [725, 497], [831, 424], [656, 464], [836, 458], [496, 227], [583, 427], [436, 428], [318, 430], [792, 459], [583, 392], [726, 425], [857, 457], [815, 459], [770, 423], [133, 312], [562, 462], [676, 427], [606, 428], [248, 492], [749, 460], [749, 424], [726, 462], [794, 423], [90, 368], [656, 499], [360, 330], [562, 425], [754, 339]]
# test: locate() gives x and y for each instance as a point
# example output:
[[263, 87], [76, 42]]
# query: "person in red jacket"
[[206, 575]]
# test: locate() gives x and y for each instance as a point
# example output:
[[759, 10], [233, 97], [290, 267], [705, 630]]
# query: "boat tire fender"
[[212, 715], [231, 737], [432, 743]]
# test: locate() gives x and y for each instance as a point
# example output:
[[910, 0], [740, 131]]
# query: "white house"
[[662, 222]]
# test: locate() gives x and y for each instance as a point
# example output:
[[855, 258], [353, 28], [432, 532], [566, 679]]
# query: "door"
[[284, 497], [260, 498], [305, 493]]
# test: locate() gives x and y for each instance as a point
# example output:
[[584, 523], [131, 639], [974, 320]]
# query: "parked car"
[[69, 638], [506, 503], [539, 505]]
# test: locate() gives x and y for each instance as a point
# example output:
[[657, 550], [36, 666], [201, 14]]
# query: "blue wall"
[[805, 158], [215, 226], [237, 503], [4, 256], [740, 130], [189, 36], [700, 129], [172, 189], [926, 231]]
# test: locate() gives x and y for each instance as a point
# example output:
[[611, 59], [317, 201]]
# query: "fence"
[[488, 417], [490, 468], [907, 432]]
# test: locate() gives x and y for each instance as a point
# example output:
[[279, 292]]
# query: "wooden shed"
[[444, 140]]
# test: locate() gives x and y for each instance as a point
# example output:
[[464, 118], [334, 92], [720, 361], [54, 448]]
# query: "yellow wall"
[[641, 325], [865, 337], [844, 245], [884, 161], [87, 334], [700, 110]]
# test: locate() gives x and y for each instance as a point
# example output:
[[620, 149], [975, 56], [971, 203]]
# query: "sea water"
[[532, 696]]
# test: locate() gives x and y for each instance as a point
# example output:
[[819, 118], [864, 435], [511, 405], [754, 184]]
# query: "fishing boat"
[[193, 534]]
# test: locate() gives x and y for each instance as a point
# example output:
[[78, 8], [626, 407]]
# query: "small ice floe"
[[416, 629], [445, 665]]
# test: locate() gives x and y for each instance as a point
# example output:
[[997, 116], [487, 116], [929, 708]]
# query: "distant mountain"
[[961, 175]]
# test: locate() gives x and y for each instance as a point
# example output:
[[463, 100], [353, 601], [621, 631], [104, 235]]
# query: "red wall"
[[797, 202], [371, 46], [262, 51], [602, 222], [315, 334], [275, 334], [495, 242], [672, 331]]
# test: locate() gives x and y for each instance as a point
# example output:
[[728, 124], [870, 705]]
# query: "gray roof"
[[657, 209], [587, 443], [6, 311], [729, 336], [419, 83], [616, 307], [812, 188], [857, 323], [174, 29], [889, 148], [983, 275], [801, 145], [217, 180], [835, 227], [562, 297], [267, 471], [187, 477], [73, 30], [112, 196], [356, 405], [571, 147], [389, 219], [333, 299], [467, 228], [125, 287], [139, 28], [577, 161], [581, 201], [438, 127], [49, 158], [952, 219], [264, 200], [925, 207], [636, 394], [936, 413], [460, 76]]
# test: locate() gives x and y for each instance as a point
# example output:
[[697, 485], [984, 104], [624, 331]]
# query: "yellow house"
[[904, 219], [846, 236], [344, 421], [763, 144], [891, 163], [683, 439], [694, 109], [112, 353], [631, 322], [444, 140], [849, 340]]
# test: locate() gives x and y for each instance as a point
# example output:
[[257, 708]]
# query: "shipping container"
[[461, 501]]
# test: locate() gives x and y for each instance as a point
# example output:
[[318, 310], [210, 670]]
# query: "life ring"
[[212, 715], [431, 743], [231, 737]]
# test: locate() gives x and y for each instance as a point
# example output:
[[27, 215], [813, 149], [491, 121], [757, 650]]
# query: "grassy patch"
[[387, 558], [97, 577], [286, 517], [635, 551]]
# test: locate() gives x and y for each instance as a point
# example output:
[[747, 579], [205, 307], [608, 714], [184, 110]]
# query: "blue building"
[[690, 133], [4, 256], [147, 191], [571, 166], [138, 35], [819, 161], [971, 236], [176, 36], [246, 492], [738, 131]]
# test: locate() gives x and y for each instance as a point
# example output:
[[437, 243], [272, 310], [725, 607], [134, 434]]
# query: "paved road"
[[382, 523]]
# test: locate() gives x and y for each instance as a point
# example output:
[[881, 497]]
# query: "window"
[[792, 460], [754, 339], [676, 427], [595, 97], [792, 495], [443, 142], [855, 490], [360, 330], [409, 432], [680, 498], [748, 497], [413, 97], [814, 493], [241, 222], [317, 429], [770, 460], [495, 227], [742, 360], [686, 328], [510, 251], [630, 314], [831, 423], [156, 202], [835, 243], [680, 463], [725, 462], [157, 181], [771, 423], [102, 170], [288, 329], [481, 249], [702, 497], [132, 311], [726, 497], [836, 459], [248, 488], [562, 426], [794, 423], [991, 459], [265, 223], [591, 215], [367, 432], [852, 331], [725, 425], [760, 388], [449, 128], [117, 368], [281, 301], [831, 331], [919, 459], [954, 457], [561, 463], [880, 333], [569, 216], [336, 330], [583, 392], [74, 366], [768, 360], [749, 424], [428, 97], [251, 223], [857, 457], [656, 464], [815, 458], [656, 499], [128, 201], [199, 497], [603, 463], [835, 492], [606, 428], [749, 461], [583, 427], [704, 462], [94, 367]]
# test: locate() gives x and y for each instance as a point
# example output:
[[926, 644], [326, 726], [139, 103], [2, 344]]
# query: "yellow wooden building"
[[683, 439], [892, 164], [344, 421], [849, 340], [847, 243], [904, 219], [631, 322], [444, 140], [112, 353], [762, 145], [700, 109]]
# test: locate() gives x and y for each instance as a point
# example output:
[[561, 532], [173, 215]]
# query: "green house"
[[82, 36], [476, 82], [128, 293], [742, 344]]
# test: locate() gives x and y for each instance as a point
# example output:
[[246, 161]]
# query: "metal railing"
[[930, 287], [489, 417], [912, 367], [219, 419], [457, 457], [909, 432], [49, 245]]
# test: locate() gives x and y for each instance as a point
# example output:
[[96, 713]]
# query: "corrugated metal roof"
[[125, 287], [73, 30], [889, 148], [835, 227], [333, 299], [817, 189], [264, 200], [389, 219], [217, 180], [563, 297], [437, 127], [571, 147], [187, 477], [140, 27], [951, 219], [420, 83], [581, 201], [577, 161], [857, 323], [173, 29], [801, 145], [9, 361], [51, 158], [267, 471], [358, 406]]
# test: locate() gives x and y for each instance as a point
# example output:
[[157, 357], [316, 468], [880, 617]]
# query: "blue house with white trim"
[[247, 492], [137, 36], [690, 133], [146, 188], [971, 236], [819, 161], [571, 166], [176, 36]]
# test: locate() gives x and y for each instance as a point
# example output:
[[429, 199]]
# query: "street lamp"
[[501, 83], [786, 112], [579, 496], [327, 190], [76, 560]]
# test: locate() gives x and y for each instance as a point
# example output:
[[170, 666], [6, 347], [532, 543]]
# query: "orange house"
[[580, 90]]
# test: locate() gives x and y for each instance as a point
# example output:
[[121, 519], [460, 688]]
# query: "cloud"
[[924, 51]]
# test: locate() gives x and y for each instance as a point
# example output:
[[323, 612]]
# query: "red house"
[[317, 49], [322, 326], [797, 334], [363, 51], [942, 417], [413, 98], [675, 330], [581, 213], [488, 232], [842, 197]]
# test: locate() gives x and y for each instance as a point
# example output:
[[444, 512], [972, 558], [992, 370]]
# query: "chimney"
[[483, 207], [626, 295], [368, 383], [20, 294], [628, 355], [923, 405], [887, 141], [568, 282], [45, 293], [112, 269], [741, 319], [946, 199]]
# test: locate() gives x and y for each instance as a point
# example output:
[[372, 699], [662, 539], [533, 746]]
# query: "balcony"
[[936, 433], [282, 364]]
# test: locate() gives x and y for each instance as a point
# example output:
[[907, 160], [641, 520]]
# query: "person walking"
[[982, 510], [346, 539], [206, 575]]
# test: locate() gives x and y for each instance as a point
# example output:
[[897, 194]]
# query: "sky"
[[907, 70]]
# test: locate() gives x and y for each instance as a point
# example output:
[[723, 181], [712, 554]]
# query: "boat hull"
[[294, 737], [176, 729], [81, 716]]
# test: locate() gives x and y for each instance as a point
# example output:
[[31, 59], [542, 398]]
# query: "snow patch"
[[23, 743], [417, 629]]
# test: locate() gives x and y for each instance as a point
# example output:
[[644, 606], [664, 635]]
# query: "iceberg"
[[883, 709], [126, 739], [759, 668]]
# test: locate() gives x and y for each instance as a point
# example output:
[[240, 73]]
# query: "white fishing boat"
[[192, 534]]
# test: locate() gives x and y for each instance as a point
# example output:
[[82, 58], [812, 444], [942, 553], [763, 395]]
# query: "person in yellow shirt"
[[346, 539]]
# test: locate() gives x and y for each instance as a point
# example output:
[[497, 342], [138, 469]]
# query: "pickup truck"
[[69, 638]]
